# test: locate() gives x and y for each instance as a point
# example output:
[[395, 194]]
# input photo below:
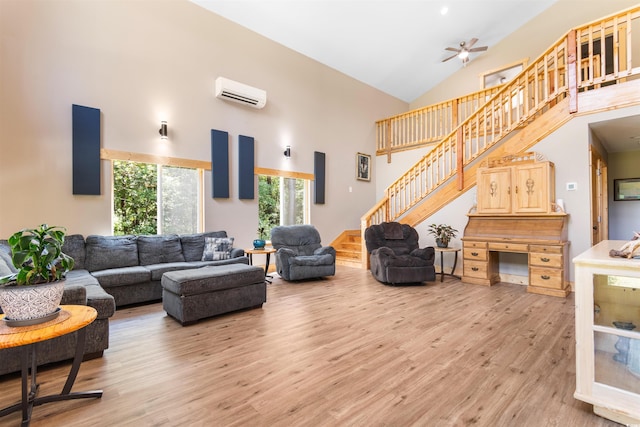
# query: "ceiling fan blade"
[[471, 43], [451, 57], [478, 49], [452, 49]]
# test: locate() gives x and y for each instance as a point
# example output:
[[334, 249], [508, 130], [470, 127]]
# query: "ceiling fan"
[[464, 50]]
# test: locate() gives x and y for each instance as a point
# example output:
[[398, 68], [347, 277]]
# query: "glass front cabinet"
[[607, 295]]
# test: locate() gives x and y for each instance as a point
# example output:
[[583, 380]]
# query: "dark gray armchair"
[[395, 256], [300, 254]]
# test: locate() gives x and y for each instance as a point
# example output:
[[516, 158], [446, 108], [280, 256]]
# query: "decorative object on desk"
[[363, 167], [31, 294], [443, 234], [260, 242], [631, 249]]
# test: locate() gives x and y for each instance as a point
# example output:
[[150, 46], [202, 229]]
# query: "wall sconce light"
[[163, 130], [287, 152]]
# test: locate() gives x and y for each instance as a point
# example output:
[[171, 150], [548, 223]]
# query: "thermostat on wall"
[[572, 186]]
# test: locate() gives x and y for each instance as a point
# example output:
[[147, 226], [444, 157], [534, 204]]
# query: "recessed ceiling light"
[[444, 10]]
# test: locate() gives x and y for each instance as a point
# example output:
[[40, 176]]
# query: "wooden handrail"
[[426, 125], [575, 63]]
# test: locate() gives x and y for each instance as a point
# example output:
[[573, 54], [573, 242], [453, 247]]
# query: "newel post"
[[388, 141], [460, 158], [572, 70]]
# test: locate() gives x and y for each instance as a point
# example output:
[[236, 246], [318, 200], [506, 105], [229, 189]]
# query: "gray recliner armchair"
[[395, 256], [300, 254]]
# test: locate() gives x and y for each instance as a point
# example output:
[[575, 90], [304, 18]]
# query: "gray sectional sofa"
[[113, 271]]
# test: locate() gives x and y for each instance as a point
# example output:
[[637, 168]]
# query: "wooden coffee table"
[[71, 318]]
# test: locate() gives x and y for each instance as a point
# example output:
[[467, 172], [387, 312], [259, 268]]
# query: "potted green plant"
[[32, 294], [443, 234], [260, 242]]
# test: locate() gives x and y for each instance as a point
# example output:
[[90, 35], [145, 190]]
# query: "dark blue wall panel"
[[219, 164], [319, 177], [245, 167], [85, 150]]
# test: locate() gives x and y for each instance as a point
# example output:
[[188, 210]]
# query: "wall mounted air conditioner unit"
[[238, 92]]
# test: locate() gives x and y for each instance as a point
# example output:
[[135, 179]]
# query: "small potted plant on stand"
[[260, 242], [443, 234], [32, 295]]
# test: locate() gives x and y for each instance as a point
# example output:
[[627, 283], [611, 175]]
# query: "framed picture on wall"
[[626, 189], [363, 167]]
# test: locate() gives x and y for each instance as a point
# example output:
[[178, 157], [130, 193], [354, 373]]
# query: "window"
[[282, 200], [156, 199]]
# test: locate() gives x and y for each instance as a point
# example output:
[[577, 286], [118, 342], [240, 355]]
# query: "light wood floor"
[[344, 351]]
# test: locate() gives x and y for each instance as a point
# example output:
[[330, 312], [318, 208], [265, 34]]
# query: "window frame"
[[159, 161]]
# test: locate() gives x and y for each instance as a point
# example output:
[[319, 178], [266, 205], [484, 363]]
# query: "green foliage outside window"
[[274, 194], [136, 194], [135, 198], [268, 204]]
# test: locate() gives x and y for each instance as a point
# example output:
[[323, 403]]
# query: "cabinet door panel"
[[531, 192], [494, 191]]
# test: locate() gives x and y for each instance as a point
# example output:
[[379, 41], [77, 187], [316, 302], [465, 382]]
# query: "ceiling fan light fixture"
[[464, 54]]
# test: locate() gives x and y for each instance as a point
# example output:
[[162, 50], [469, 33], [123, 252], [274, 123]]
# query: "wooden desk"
[[542, 237], [71, 318]]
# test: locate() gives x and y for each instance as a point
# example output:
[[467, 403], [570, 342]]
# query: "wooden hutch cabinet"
[[516, 213], [608, 332], [521, 188]]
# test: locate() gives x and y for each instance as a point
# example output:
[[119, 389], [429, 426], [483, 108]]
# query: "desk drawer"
[[546, 278], [477, 269], [479, 245], [475, 254], [509, 247], [546, 249], [545, 260]]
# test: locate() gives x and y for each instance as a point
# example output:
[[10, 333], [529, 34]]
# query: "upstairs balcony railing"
[[592, 56], [428, 124]]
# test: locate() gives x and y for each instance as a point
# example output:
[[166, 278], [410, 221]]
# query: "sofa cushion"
[[217, 248], [5, 255], [122, 276], [99, 299], [74, 247], [105, 252], [157, 270], [80, 277], [159, 249], [193, 244], [325, 259], [5, 266]]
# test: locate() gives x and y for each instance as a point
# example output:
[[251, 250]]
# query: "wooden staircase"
[[515, 117], [348, 246]]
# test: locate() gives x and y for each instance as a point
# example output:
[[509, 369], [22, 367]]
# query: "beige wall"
[[145, 61], [623, 215]]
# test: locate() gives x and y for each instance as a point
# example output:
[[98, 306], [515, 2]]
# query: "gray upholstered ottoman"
[[191, 295]]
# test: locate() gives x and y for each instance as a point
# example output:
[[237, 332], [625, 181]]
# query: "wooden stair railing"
[[575, 63], [428, 124]]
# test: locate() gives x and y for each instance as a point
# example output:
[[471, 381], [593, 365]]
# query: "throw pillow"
[[217, 248]]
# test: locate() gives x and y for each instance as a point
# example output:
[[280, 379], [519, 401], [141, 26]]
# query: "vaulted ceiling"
[[396, 46]]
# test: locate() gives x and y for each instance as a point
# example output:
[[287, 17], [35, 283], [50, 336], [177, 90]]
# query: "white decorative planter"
[[32, 304]]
